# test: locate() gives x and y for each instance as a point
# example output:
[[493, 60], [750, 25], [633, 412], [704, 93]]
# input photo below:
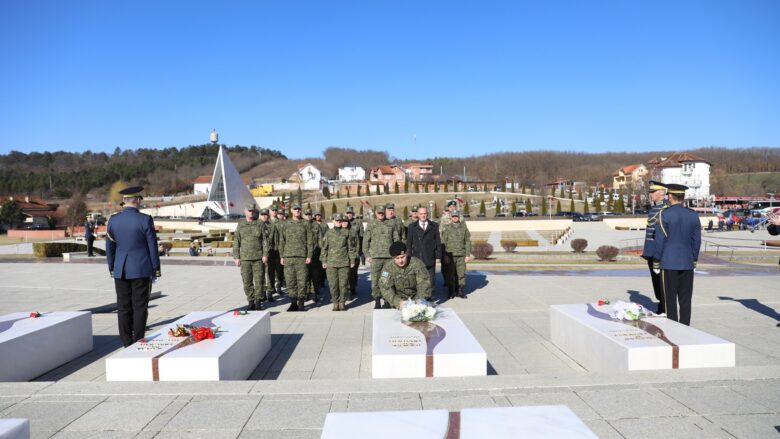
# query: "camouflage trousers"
[[274, 271], [316, 274], [377, 265], [353, 275], [459, 271], [338, 283], [296, 273], [253, 276]]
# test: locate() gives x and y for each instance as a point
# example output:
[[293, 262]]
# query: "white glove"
[[657, 270]]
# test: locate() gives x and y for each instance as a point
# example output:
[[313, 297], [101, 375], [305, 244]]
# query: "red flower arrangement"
[[35, 315], [603, 302], [202, 333], [196, 332], [239, 312]]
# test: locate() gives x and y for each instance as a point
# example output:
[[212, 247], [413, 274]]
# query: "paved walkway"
[[320, 360]]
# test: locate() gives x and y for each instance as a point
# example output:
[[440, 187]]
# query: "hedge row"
[[56, 249]]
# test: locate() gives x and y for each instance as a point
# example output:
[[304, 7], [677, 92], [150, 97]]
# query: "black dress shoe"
[[270, 297], [258, 305], [386, 305], [293, 306], [250, 306], [301, 304], [377, 304]]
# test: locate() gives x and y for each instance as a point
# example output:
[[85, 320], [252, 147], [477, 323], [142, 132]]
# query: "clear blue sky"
[[464, 77]]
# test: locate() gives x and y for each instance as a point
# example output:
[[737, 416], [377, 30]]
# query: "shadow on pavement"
[[755, 305], [282, 348]]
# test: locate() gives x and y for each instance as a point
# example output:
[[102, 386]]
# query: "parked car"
[[519, 214], [532, 214], [480, 215], [501, 215]]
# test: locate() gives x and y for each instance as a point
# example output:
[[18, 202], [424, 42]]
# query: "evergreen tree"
[[387, 188], [358, 190], [544, 204], [436, 186], [338, 194], [406, 213], [406, 186], [513, 185], [426, 188], [347, 189], [571, 205], [528, 208], [11, 214], [620, 204], [560, 195], [558, 207], [466, 208], [523, 189], [503, 185], [299, 194], [513, 208], [325, 192], [361, 210], [498, 208], [322, 210], [333, 208], [585, 208], [396, 187], [416, 187], [482, 207], [446, 186]]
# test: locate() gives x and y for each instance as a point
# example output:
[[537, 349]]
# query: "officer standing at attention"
[[456, 240], [295, 247], [404, 278], [656, 192], [376, 244], [250, 253], [447, 269], [677, 242], [133, 261], [268, 231], [339, 251], [356, 228], [89, 235], [395, 221]]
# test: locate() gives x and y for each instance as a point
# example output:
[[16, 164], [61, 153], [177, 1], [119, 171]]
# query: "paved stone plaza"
[[320, 360]]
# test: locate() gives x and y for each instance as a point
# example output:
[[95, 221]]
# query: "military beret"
[[655, 186], [350, 209], [451, 203], [296, 206], [250, 207], [455, 213], [390, 206], [676, 188], [264, 212], [307, 212], [132, 192], [338, 217], [414, 208], [380, 209], [397, 248]]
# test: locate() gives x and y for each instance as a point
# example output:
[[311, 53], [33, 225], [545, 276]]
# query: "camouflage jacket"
[[379, 235], [409, 282], [318, 232], [339, 247], [250, 241], [400, 228], [456, 239], [295, 239]]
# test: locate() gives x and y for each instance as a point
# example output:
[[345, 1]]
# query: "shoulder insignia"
[[385, 274]]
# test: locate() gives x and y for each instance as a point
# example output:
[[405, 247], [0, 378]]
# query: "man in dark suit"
[[424, 243], [677, 242], [133, 261], [89, 235]]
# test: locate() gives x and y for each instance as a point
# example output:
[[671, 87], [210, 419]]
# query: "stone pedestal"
[[240, 344], [30, 347], [441, 348], [538, 422], [587, 334], [14, 428]]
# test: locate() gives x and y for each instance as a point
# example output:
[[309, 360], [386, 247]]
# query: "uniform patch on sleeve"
[[385, 274]]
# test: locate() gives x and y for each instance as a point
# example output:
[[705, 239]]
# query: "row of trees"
[[161, 171]]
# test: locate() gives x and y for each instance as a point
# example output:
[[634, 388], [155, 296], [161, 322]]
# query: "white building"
[[202, 184], [352, 173], [684, 168], [308, 177]]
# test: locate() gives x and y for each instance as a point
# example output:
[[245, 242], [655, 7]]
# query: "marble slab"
[[588, 335], [14, 428], [30, 347], [442, 348], [240, 344], [542, 422]]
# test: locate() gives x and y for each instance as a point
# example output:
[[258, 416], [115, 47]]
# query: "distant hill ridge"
[[171, 170]]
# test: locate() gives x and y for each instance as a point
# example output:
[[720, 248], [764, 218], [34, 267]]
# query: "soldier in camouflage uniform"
[[447, 269], [395, 221], [355, 226], [404, 278], [412, 217], [316, 272], [250, 252], [376, 244], [456, 241], [295, 247], [339, 252], [274, 260], [657, 192], [269, 232]]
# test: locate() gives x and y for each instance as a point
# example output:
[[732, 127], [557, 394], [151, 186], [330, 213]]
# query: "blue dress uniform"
[[649, 247], [677, 242], [133, 260]]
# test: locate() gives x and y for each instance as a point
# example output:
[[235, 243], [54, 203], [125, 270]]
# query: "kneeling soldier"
[[405, 278], [457, 243], [339, 251]]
